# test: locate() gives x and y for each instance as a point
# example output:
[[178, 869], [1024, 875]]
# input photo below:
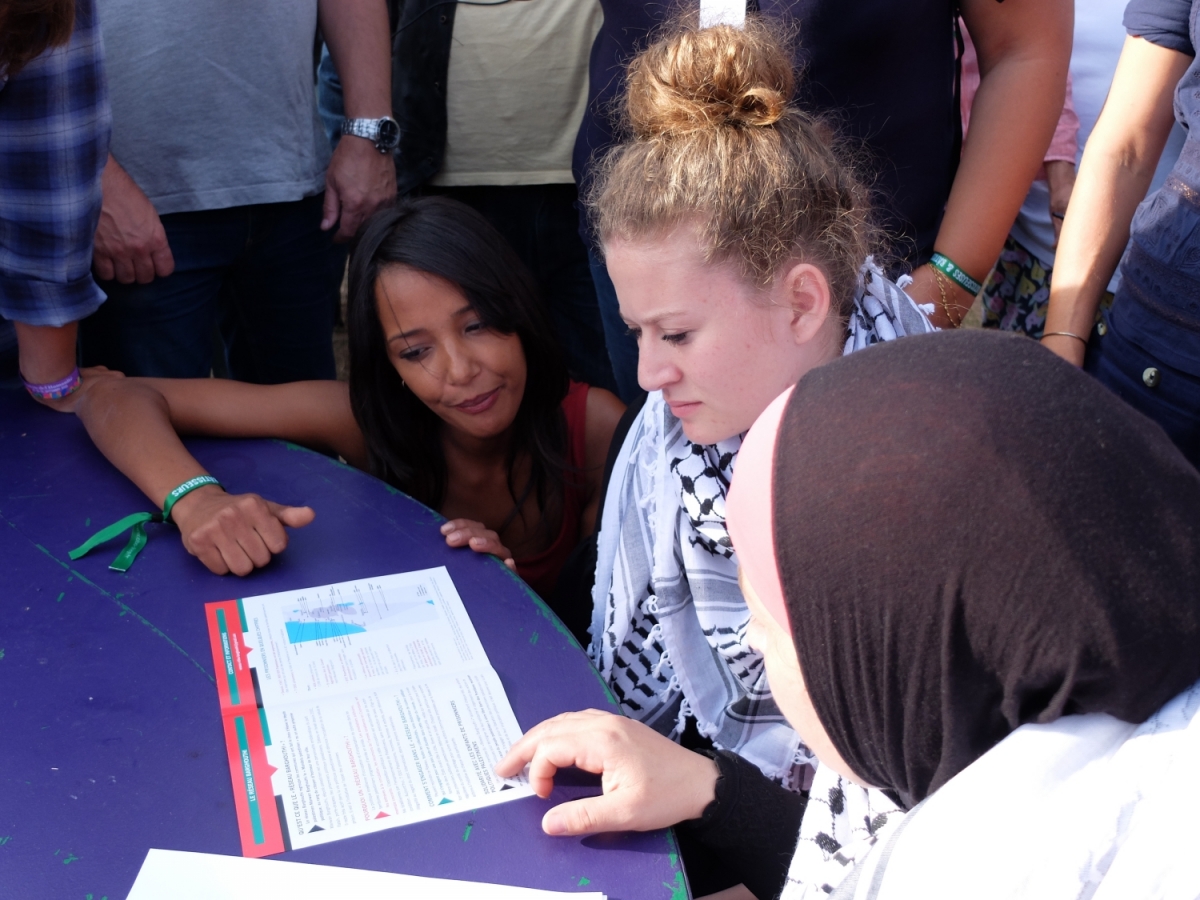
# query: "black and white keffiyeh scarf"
[[669, 621], [842, 823]]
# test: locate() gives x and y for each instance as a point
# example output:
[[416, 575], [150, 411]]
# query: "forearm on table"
[[1015, 114], [314, 414], [130, 423], [359, 41]]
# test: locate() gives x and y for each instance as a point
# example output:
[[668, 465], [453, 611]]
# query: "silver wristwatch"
[[383, 133]]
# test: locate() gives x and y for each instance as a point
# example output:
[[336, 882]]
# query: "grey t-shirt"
[[213, 102]]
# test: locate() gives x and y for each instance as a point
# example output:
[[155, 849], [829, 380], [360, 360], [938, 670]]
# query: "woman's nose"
[[460, 366], [655, 370]]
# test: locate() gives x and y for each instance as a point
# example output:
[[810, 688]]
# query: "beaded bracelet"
[[137, 522], [55, 390], [947, 266]]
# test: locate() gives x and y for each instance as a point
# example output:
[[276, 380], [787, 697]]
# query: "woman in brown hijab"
[[1020, 654]]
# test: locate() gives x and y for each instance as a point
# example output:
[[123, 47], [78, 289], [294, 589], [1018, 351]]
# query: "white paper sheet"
[[379, 704], [175, 875]]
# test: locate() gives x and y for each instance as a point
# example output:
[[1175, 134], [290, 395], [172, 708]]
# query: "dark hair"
[[451, 240], [28, 28]]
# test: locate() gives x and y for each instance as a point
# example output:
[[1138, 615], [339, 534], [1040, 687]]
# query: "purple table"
[[110, 736]]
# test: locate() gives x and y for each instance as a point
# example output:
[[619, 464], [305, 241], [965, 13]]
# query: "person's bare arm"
[[360, 178], [604, 411], [1115, 173], [1024, 49], [136, 423]]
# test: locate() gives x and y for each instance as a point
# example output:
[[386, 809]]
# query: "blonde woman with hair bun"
[[886, 72], [740, 243]]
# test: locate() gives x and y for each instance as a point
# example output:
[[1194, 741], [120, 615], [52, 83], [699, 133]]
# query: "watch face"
[[389, 134]]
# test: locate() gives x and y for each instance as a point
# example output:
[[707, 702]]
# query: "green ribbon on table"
[[137, 522], [137, 540]]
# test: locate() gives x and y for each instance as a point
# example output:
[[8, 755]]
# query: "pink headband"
[[749, 509]]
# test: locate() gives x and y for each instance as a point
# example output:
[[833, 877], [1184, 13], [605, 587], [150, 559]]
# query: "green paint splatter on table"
[[86, 523], [61, 594], [1, 653], [4, 840], [562, 629], [70, 858], [125, 609], [533, 638], [673, 854], [467, 832], [679, 888], [583, 881]]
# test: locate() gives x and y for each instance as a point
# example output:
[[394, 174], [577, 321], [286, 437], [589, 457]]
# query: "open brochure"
[[354, 707], [175, 875]]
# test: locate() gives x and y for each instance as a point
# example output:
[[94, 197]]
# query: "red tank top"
[[541, 571]]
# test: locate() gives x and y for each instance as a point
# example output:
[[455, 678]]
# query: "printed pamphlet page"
[[354, 707]]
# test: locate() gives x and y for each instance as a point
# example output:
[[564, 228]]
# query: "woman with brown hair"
[[54, 131], [741, 244], [887, 71]]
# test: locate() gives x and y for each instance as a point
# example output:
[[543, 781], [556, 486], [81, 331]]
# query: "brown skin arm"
[[136, 423], [1024, 49], [604, 411]]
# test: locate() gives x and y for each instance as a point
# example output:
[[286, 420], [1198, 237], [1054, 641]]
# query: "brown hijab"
[[973, 535]]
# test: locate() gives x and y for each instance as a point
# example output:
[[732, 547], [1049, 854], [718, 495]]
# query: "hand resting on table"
[[235, 532], [477, 536], [649, 781]]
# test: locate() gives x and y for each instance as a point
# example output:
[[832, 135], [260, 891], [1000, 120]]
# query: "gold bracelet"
[[1077, 337], [937, 277]]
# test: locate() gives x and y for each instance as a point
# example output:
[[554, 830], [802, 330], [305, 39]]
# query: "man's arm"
[[131, 244], [360, 178]]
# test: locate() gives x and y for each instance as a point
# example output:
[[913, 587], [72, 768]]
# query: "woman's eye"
[[412, 354], [475, 327], [635, 333], [676, 338]]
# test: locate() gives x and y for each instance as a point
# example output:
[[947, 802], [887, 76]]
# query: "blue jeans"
[[1174, 402], [622, 346], [253, 295]]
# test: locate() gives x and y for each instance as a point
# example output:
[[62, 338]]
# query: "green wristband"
[[183, 490], [137, 522], [947, 267]]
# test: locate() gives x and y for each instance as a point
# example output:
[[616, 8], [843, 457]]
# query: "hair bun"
[[702, 78]]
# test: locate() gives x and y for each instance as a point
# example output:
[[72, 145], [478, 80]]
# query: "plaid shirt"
[[54, 129]]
